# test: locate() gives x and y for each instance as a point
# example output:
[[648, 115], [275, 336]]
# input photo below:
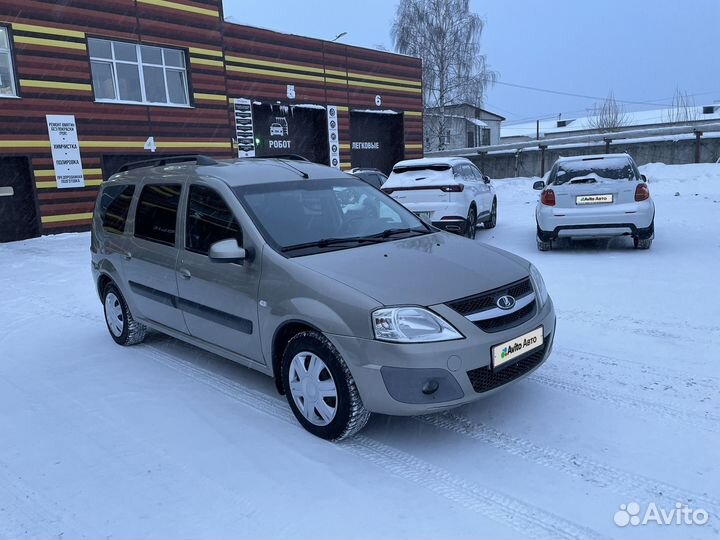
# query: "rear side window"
[[114, 207], [209, 220], [156, 215]]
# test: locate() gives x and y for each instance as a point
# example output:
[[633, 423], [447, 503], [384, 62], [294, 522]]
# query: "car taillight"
[[642, 192], [454, 188], [547, 197]]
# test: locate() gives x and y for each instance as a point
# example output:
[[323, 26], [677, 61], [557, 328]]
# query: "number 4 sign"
[[150, 144]]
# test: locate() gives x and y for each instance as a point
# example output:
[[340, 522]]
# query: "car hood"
[[423, 270]]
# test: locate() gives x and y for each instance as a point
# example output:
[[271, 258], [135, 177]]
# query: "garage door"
[[284, 129], [376, 139], [18, 212]]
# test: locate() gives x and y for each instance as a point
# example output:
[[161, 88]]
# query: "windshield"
[[304, 217], [593, 170]]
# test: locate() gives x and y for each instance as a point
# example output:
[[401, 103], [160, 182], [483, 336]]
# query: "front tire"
[[471, 223], [490, 223], [320, 388], [123, 328]]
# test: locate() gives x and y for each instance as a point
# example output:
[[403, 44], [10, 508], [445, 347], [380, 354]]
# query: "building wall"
[[225, 61], [458, 123]]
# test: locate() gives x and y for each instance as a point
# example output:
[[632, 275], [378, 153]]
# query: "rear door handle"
[[185, 273], [127, 255]]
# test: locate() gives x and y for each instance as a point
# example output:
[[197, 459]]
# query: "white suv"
[[451, 193]]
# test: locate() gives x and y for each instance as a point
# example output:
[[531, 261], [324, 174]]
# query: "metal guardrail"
[[695, 129]]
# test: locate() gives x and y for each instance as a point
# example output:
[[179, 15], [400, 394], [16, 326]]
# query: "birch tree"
[[445, 34]]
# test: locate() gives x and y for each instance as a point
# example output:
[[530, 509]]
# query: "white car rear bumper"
[[635, 219]]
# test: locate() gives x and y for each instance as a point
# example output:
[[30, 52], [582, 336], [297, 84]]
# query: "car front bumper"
[[391, 376], [634, 219]]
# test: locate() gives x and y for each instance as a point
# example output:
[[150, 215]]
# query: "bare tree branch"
[[446, 36], [609, 116], [682, 109]]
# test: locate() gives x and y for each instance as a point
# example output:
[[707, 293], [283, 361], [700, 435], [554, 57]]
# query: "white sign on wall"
[[333, 137], [65, 151], [244, 132]]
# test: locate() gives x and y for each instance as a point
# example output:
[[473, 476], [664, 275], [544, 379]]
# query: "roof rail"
[[159, 162]]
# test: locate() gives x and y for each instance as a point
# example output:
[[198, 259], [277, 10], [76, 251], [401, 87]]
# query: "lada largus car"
[[451, 193], [595, 196], [350, 301]]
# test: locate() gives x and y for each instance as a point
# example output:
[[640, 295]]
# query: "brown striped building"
[[204, 86]]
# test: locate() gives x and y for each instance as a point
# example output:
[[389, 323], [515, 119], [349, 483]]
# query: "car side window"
[[209, 220], [114, 207], [476, 173], [156, 216], [467, 173]]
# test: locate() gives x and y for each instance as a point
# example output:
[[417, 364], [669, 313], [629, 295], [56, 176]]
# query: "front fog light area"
[[411, 325]]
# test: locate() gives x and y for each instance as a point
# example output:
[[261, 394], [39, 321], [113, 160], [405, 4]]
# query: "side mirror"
[[539, 185], [643, 178], [227, 251], [486, 179]]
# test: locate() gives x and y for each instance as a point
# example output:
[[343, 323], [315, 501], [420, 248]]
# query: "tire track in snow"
[[706, 421], [529, 520], [652, 328], [630, 485], [532, 521], [585, 359]]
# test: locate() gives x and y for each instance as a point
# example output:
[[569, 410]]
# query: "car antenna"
[[300, 172]]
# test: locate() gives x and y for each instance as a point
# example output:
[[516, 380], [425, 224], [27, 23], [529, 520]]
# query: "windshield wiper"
[[324, 242], [372, 239], [387, 233]]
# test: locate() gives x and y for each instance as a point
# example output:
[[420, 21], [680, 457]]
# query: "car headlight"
[[411, 325], [539, 286]]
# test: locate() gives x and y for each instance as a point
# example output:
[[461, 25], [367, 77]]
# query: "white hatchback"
[[451, 193], [595, 196]]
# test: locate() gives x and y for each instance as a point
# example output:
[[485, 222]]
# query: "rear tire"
[[123, 328], [544, 246], [471, 223], [320, 389], [641, 243], [490, 223]]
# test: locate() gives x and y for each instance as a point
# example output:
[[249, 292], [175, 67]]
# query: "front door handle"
[[185, 273], [127, 255]]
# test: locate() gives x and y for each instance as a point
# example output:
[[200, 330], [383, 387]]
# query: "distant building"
[[568, 127], [465, 126]]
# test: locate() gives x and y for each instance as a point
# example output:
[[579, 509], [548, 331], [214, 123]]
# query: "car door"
[[486, 194], [472, 186], [151, 255], [218, 300]]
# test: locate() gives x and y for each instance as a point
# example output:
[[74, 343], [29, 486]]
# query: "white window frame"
[[9, 53], [140, 64]]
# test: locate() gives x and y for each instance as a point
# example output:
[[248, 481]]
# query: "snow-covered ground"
[[163, 441]]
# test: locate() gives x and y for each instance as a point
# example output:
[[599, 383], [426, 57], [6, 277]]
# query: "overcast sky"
[[640, 49]]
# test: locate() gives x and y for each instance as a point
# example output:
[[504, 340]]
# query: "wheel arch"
[[102, 282], [282, 335]]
